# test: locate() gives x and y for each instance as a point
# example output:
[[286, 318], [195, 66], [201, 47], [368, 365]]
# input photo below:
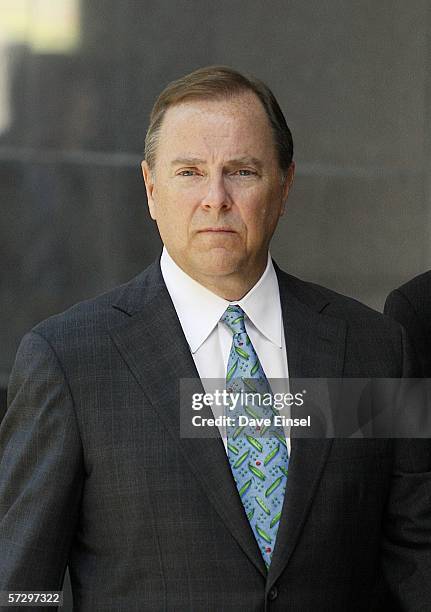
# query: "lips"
[[218, 230]]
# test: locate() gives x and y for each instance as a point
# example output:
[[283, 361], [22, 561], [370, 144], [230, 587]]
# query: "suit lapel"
[[153, 345], [315, 348]]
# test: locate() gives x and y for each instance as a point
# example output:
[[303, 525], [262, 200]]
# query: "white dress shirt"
[[199, 311]]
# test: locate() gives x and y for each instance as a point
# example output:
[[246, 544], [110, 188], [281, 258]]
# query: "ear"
[[287, 185], [149, 186]]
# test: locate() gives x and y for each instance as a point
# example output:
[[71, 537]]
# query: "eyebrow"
[[187, 161], [195, 161]]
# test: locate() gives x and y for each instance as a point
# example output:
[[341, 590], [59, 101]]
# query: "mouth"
[[218, 230]]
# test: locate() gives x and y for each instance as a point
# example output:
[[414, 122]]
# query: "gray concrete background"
[[352, 77]]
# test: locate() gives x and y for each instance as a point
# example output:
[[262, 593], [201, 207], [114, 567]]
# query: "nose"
[[216, 195]]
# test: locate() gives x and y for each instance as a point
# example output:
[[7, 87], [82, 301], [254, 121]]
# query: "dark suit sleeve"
[[406, 552], [41, 472], [407, 526], [399, 307]]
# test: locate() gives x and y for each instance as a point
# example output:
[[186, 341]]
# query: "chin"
[[216, 263]]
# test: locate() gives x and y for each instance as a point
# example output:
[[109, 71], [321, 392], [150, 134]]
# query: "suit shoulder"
[[416, 291], [410, 304], [323, 297], [99, 312], [332, 303]]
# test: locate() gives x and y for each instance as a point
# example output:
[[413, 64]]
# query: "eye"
[[186, 173], [246, 172]]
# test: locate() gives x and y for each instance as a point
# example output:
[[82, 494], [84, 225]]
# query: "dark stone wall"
[[2, 402], [353, 80]]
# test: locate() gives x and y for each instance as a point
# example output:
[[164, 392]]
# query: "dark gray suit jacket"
[[410, 305], [94, 474]]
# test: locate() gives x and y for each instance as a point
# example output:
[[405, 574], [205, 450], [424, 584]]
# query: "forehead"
[[237, 125]]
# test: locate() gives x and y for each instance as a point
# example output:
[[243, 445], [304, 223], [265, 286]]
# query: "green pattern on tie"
[[259, 463]]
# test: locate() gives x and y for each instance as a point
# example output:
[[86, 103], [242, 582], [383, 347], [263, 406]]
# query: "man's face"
[[215, 190]]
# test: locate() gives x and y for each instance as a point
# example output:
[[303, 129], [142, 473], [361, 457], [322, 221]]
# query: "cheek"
[[174, 219], [171, 206], [260, 215], [261, 221]]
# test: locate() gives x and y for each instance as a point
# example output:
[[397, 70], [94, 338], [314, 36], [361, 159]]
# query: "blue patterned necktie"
[[259, 463]]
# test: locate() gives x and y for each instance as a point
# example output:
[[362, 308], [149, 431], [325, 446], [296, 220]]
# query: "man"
[[410, 305], [94, 471]]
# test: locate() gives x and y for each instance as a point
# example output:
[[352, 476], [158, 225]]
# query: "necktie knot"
[[233, 317]]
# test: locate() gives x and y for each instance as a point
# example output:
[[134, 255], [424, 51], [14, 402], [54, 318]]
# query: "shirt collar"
[[199, 310]]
